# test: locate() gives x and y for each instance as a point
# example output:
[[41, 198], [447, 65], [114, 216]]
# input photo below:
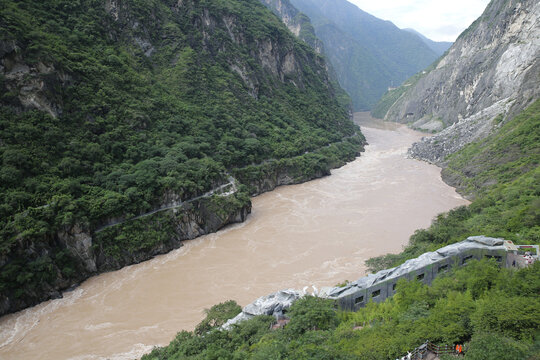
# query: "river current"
[[317, 233]]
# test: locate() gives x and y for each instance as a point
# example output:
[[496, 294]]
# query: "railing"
[[423, 351], [440, 349]]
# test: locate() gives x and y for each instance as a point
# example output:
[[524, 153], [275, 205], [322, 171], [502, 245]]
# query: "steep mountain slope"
[[491, 156], [300, 25], [493, 69], [439, 47], [368, 54], [129, 126], [484, 306]]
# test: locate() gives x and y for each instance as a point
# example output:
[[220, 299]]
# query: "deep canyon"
[[317, 233]]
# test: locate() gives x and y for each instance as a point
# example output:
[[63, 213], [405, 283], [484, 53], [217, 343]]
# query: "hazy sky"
[[440, 20]]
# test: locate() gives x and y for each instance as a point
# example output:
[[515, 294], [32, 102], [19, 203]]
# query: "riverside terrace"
[[377, 287]]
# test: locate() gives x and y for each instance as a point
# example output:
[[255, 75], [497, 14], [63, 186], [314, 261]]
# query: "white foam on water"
[[19, 324], [101, 326], [136, 352]]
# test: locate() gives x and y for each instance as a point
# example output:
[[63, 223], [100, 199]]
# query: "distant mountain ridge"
[[439, 47], [368, 54]]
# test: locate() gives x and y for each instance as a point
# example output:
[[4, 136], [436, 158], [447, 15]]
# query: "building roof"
[[473, 242]]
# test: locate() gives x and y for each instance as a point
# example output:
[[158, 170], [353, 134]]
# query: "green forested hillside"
[[111, 108], [301, 25]]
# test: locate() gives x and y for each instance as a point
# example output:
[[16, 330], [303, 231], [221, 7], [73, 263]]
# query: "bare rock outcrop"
[[298, 23], [496, 58], [491, 72]]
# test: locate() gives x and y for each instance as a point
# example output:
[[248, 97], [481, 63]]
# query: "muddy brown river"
[[318, 233]]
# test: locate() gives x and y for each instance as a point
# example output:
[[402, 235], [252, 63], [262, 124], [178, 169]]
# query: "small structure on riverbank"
[[382, 285], [378, 287]]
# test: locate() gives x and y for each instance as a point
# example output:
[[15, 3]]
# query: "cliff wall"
[[488, 76]]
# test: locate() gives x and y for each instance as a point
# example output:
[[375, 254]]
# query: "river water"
[[318, 233]]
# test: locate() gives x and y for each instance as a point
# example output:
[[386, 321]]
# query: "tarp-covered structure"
[[381, 285], [377, 287]]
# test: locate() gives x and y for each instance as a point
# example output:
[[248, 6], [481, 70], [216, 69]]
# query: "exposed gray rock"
[[274, 176], [43, 86], [7, 47], [145, 46], [298, 23], [79, 243], [273, 304], [491, 71], [113, 8], [34, 85], [251, 83], [427, 124], [435, 149], [494, 59], [192, 219], [301, 26]]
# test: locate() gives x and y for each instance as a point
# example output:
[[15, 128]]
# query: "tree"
[[218, 315], [487, 346], [311, 313]]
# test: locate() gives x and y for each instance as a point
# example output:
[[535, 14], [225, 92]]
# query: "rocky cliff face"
[[30, 86], [298, 23], [492, 70]]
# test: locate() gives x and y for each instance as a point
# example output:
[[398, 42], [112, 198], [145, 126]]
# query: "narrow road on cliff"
[[216, 191]]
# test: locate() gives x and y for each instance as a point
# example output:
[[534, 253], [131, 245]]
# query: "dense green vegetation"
[[492, 311], [501, 172], [139, 99], [307, 166], [502, 158], [368, 54]]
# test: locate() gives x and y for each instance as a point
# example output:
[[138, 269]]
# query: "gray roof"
[[473, 242], [276, 303]]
